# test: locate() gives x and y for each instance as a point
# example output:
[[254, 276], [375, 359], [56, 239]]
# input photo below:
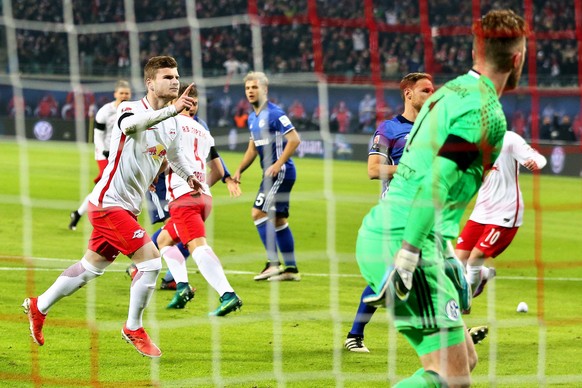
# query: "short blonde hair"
[[122, 84], [257, 76]]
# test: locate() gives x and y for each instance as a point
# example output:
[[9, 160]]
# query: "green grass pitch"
[[288, 334]]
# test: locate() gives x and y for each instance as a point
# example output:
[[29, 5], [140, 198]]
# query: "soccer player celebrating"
[[188, 210], [387, 147], [104, 124], [457, 136], [498, 211], [274, 139], [145, 134]]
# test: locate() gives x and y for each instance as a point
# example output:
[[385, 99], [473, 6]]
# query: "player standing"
[[104, 124], [498, 211], [457, 136], [387, 148], [274, 139], [145, 134]]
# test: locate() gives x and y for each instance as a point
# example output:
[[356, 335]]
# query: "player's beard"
[[513, 79]]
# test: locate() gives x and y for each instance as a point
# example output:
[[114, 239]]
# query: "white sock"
[[211, 268], [73, 278], [176, 263], [84, 206], [474, 274], [142, 288]]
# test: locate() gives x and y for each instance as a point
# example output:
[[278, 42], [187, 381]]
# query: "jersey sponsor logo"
[[452, 310], [156, 152], [138, 233], [126, 109], [285, 120], [261, 142]]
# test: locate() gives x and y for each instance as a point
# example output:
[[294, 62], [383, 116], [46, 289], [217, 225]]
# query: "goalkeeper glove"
[[398, 281]]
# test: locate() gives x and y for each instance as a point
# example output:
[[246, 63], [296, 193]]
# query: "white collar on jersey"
[[474, 73]]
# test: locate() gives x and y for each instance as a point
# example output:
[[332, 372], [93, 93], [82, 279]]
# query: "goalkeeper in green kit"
[[401, 244]]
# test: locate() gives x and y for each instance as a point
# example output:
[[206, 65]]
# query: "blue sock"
[[363, 315], [286, 245], [184, 250], [168, 277], [155, 237], [266, 228]]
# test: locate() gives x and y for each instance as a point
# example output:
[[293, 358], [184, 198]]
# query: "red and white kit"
[[498, 211], [499, 201], [106, 115], [139, 148], [188, 212]]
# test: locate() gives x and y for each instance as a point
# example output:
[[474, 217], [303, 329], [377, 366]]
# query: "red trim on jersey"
[[115, 166], [169, 188], [516, 193], [144, 104]]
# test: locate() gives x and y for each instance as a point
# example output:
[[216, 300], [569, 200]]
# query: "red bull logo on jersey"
[[126, 109], [156, 152]]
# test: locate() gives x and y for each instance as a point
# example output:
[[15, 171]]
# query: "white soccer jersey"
[[107, 116], [499, 201], [138, 148], [196, 142]]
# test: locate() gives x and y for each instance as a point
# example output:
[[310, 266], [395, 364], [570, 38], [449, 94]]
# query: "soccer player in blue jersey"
[[274, 139], [387, 147]]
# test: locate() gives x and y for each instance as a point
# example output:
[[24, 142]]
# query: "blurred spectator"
[[547, 128], [90, 108], [577, 127], [240, 118], [16, 103], [298, 115], [340, 118], [563, 130], [367, 114], [359, 40], [287, 47], [47, 107], [519, 124]]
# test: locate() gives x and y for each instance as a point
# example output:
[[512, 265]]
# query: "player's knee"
[[164, 239], [151, 265], [281, 223], [93, 269]]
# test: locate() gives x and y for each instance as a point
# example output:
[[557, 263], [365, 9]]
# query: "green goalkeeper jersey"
[[457, 136]]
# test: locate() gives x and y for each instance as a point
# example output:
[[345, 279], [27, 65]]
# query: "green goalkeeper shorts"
[[433, 301], [428, 340]]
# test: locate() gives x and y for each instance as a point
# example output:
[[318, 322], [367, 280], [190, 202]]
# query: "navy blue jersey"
[[389, 141], [268, 130], [201, 122]]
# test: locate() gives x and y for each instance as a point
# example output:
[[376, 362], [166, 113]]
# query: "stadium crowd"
[[288, 48], [287, 37]]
